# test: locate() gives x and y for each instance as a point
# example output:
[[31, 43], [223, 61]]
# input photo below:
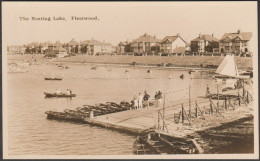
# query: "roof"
[[146, 38], [33, 44], [73, 43], [242, 35], [207, 38], [172, 38], [59, 48], [179, 50], [57, 44], [123, 43], [91, 42]]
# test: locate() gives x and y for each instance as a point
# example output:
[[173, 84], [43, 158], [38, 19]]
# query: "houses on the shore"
[[205, 44]]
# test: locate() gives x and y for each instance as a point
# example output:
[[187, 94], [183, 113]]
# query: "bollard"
[[91, 115]]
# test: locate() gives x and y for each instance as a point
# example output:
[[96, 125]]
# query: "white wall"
[[178, 43]]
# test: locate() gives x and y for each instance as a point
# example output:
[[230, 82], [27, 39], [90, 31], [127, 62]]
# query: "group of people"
[[142, 101], [68, 92]]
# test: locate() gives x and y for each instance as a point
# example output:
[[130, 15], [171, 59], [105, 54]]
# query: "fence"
[[200, 108]]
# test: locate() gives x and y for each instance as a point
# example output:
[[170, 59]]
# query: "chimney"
[[238, 31], [199, 35], [212, 34], [178, 35]]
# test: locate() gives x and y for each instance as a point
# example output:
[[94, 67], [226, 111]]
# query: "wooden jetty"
[[177, 120]]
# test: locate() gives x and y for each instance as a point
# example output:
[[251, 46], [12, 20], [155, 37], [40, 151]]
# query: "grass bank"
[[188, 61], [176, 61]]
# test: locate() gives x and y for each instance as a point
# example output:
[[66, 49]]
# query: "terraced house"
[[145, 43], [205, 44], [237, 43]]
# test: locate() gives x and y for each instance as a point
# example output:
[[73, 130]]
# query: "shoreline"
[[174, 62]]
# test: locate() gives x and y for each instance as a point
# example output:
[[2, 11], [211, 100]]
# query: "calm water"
[[29, 132]]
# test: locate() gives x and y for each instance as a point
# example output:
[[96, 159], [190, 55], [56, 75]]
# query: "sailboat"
[[227, 69]]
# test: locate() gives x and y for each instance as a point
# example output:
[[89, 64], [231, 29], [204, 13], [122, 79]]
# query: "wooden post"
[[182, 113], [247, 98], [243, 89], [225, 101], [239, 103], [158, 120], [196, 110], [189, 104], [163, 106], [218, 97], [210, 109]]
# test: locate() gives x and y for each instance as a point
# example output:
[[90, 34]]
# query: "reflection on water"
[[29, 132]]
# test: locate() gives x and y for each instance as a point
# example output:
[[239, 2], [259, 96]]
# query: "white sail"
[[228, 67]]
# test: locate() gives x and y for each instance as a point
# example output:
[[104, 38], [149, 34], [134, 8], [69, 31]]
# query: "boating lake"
[[30, 133]]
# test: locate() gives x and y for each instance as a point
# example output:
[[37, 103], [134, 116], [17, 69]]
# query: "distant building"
[[33, 48], [107, 48], [235, 42], [170, 43], [94, 47], [124, 47], [73, 46], [60, 51], [145, 43], [18, 49], [204, 44]]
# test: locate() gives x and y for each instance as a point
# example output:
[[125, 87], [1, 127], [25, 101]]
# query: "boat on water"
[[192, 71], [93, 68], [149, 71], [157, 143], [51, 78], [66, 116], [227, 69], [59, 95]]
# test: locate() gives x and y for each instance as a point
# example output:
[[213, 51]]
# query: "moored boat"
[[155, 143], [74, 117]]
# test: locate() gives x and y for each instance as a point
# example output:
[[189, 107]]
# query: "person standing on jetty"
[[58, 91], [146, 99], [207, 92], [156, 99], [140, 101], [160, 98], [135, 101], [68, 92]]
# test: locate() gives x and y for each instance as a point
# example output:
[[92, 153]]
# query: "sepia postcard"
[[130, 80]]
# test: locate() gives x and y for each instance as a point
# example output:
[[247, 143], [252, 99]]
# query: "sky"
[[121, 21]]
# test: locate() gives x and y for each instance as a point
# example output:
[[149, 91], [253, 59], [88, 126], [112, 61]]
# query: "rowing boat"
[[58, 95], [56, 78]]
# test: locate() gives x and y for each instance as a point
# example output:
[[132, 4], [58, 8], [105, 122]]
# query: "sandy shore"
[[176, 61]]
